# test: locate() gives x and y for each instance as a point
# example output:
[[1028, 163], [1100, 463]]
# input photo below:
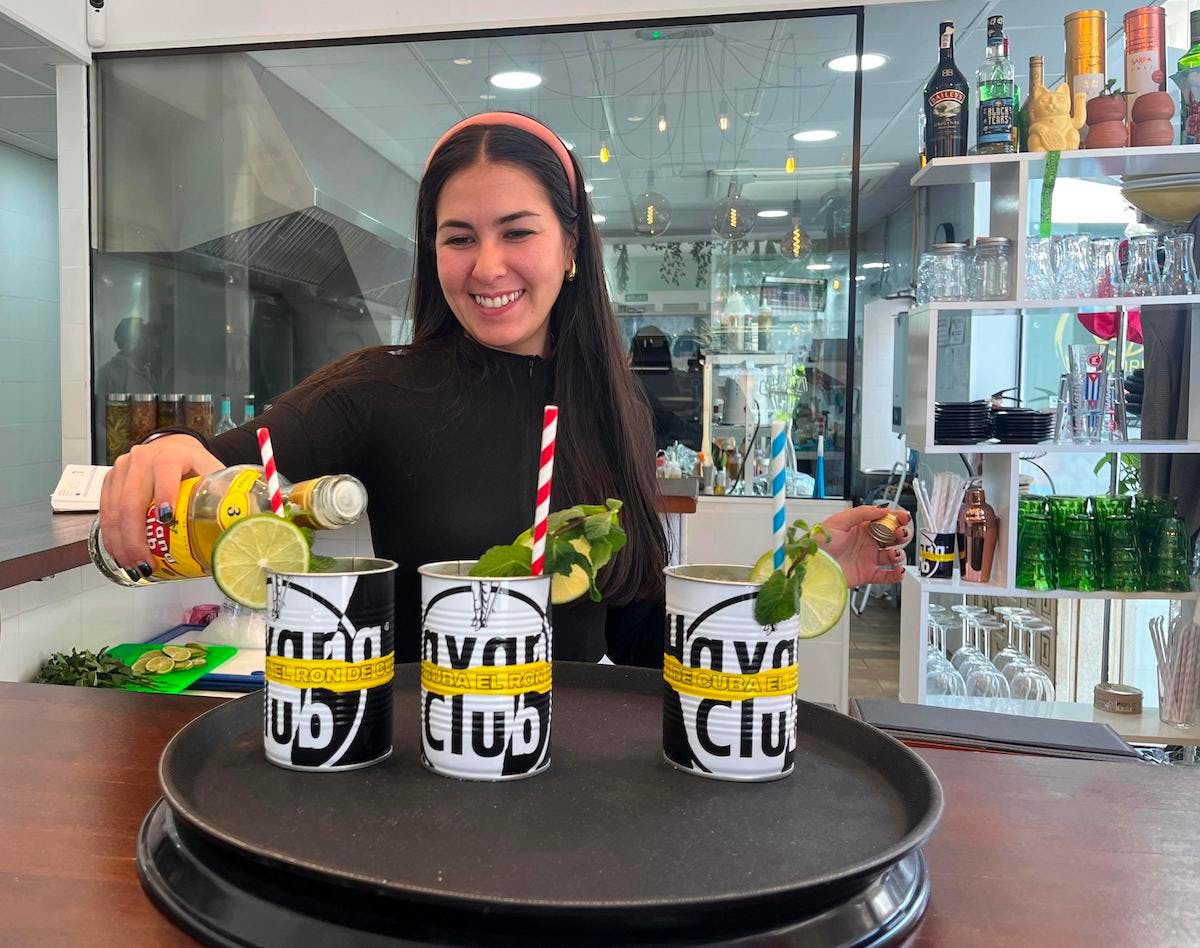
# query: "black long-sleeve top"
[[450, 470]]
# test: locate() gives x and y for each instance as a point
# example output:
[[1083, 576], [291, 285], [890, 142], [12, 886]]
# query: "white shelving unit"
[[1010, 177]]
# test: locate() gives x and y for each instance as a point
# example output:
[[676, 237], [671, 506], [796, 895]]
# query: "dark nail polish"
[[164, 513], [133, 574], [145, 568]]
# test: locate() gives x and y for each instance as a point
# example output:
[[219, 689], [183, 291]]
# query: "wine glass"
[[943, 684], [987, 689], [1011, 650], [966, 649]]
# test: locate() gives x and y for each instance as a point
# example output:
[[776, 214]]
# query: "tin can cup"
[[935, 554], [330, 657], [486, 675], [729, 683]]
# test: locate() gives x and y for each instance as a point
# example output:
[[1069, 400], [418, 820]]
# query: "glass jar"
[[118, 425], [948, 281], [924, 278], [198, 414], [144, 414], [170, 410], [991, 269]]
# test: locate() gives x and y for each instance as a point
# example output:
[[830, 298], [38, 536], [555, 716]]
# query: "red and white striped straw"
[[269, 472], [545, 470]]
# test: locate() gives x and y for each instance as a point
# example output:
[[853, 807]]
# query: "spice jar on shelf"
[[198, 414], [170, 410], [118, 425], [144, 415], [990, 271]]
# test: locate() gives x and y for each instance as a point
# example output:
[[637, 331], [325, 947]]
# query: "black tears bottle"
[[947, 103]]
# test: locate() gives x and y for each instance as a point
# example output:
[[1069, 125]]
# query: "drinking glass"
[[1142, 277], [1107, 506], [1150, 512], [1169, 563], [1031, 684], [966, 649], [1179, 273], [1035, 553], [1035, 504], [924, 278], [987, 689], [1061, 507], [1073, 268], [949, 278], [1106, 258], [1039, 269], [989, 275]]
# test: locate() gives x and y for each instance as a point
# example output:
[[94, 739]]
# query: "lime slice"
[[823, 595], [160, 665], [564, 589], [139, 666], [764, 566], [249, 548], [177, 652]]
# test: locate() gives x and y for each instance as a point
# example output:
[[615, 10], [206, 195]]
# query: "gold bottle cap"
[[883, 530]]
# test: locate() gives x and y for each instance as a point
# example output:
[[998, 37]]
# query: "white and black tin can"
[[329, 666], [729, 683], [486, 651]]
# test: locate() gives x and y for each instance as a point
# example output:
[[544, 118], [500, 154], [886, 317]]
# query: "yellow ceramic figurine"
[[1051, 125]]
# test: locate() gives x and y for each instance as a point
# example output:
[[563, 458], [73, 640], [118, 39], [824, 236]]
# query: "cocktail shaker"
[[977, 530]]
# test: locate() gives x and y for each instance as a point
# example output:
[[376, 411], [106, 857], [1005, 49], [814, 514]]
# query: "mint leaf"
[[321, 564], [616, 537], [562, 517], [504, 561], [613, 504], [600, 554], [776, 600], [597, 526], [561, 556]]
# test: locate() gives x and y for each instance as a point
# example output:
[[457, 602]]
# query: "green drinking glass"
[[1032, 505], [1123, 571], [1117, 533], [1078, 575], [1035, 553], [1107, 507], [1169, 562]]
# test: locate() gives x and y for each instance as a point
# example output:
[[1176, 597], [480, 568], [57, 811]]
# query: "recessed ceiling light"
[[598, 218], [749, 114], [462, 61], [815, 135], [774, 212], [859, 279], [875, 265], [589, 187], [486, 96], [820, 266], [516, 79], [634, 118], [847, 63]]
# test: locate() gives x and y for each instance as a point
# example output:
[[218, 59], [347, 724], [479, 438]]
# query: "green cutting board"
[[172, 682]]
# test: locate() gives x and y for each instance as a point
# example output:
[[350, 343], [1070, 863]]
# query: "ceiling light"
[[815, 135], [462, 61], [605, 154], [789, 166], [598, 218], [847, 63], [749, 114], [875, 265], [486, 96], [859, 278], [634, 118], [662, 120], [820, 266], [651, 211], [723, 117], [516, 79], [733, 218], [773, 213], [589, 187], [796, 243]]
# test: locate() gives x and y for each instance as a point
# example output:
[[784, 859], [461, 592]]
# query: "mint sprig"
[[779, 598], [598, 524]]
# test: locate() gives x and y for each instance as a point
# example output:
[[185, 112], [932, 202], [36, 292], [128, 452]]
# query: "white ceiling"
[[27, 117]]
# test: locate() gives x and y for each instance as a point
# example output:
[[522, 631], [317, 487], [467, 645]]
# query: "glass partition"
[[255, 217]]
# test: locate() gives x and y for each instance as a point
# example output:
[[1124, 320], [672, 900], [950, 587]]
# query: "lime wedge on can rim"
[[248, 549], [823, 594]]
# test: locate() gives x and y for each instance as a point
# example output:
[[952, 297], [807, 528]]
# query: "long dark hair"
[[605, 435]]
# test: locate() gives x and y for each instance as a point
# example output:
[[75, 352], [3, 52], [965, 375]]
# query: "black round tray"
[[610, 845]]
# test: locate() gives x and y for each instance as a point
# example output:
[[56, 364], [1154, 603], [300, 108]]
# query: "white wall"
[[154, 24], [30, 447], [58, 22], [74, 273]]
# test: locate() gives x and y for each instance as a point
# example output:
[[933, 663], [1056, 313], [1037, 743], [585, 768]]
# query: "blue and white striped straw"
[[778, 492]]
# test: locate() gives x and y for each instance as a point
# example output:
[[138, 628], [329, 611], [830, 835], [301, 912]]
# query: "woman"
[[510, 312]]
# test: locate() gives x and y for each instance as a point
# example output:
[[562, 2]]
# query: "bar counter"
[[35, 542], [1029, 850]]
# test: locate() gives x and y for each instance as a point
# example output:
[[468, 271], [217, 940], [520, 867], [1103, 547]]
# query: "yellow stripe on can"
[[330, 673], [727, 686], [486, 679]]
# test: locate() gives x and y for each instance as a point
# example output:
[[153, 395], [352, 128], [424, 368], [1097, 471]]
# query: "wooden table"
[[35, 542], [1030, 850]]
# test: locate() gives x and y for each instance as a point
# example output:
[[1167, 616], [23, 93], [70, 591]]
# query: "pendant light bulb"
[[795, 243], [723, 117], [733, 218], [790, 165], [662, 117], [605, 154], [651, 211]]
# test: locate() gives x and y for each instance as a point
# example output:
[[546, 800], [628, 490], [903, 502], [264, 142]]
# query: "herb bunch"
[[89, 670], [779, 598], [586, 535]]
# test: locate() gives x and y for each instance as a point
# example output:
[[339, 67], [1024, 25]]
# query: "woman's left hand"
[[862, 559]]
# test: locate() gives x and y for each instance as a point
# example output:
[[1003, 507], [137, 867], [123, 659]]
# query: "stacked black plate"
[[1022, 425], [962, 422]]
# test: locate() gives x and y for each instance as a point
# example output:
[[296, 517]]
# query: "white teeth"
[[495, 302]]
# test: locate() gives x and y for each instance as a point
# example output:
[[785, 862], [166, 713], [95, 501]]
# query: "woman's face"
[[502, 256]]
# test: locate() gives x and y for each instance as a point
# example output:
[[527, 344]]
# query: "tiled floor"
[[875, 651]]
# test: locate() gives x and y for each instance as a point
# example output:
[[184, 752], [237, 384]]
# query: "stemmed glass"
[[943, 683], [986, 687], [1030, 683], [1010, 651], [966, 650]]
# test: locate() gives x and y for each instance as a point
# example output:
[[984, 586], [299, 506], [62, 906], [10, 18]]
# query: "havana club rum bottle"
[[947, 103]]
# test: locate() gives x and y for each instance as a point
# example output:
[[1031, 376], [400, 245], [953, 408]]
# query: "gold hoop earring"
[[571, 274]]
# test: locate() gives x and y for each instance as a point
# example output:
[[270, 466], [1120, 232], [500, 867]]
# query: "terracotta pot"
[[1154, 132], [1105, 134], [1153, 106], [1105, 108]]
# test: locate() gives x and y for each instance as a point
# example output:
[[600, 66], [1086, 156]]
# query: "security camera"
[[97, 30]]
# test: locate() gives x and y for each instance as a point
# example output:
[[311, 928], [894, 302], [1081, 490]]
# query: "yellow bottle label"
[[236, 503], [171, 545]]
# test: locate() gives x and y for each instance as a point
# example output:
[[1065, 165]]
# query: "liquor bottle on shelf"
[[247, 408], [947, 103], [994, 81], [209, 504], [225, 422], [1188, 80], [1036, 73]]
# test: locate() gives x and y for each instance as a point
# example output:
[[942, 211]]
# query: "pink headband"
[[525, 124]]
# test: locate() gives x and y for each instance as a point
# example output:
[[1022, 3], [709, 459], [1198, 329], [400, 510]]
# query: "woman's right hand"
[[148, 474]]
